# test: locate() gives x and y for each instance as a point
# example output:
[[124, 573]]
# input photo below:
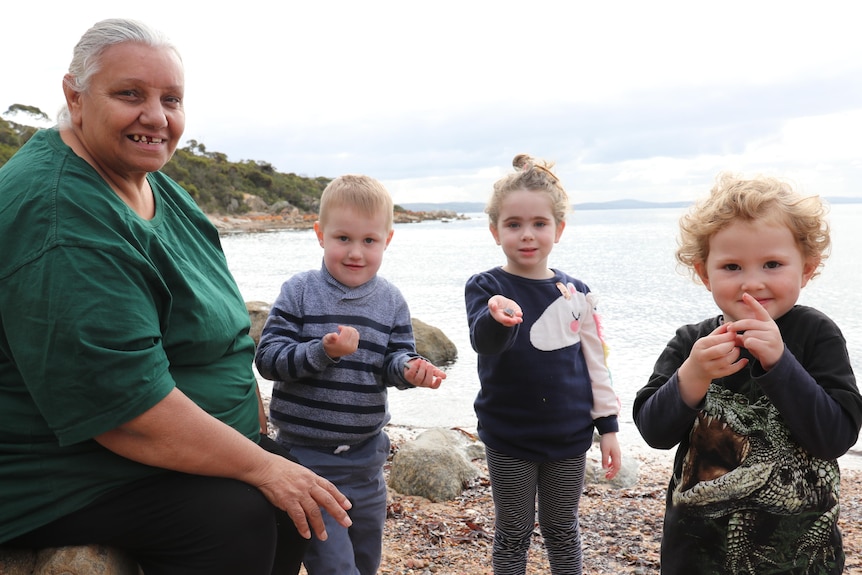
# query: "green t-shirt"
[[102, 314]]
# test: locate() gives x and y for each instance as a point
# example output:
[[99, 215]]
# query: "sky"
[[630, 99]]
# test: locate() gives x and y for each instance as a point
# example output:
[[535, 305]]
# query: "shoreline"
[[259, 223], [253, 222]]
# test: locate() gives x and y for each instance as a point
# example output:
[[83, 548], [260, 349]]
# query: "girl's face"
[[758, 258], [527, 231]]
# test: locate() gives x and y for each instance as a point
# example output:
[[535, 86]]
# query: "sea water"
[[624, 256]]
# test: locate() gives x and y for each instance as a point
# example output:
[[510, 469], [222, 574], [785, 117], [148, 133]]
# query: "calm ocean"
[[625, 256]]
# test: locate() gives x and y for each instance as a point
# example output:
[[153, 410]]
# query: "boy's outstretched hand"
[[759, 334], [345, 342], [422, 373]]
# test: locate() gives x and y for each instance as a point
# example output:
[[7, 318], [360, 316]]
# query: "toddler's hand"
[[423, 373], [759, 335], [505, 311], [712, 356], [345, 342]]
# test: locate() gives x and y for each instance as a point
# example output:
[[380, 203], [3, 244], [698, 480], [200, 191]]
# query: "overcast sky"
[[633, 99]]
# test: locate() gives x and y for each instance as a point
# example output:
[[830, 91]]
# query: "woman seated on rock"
[[129, 412]]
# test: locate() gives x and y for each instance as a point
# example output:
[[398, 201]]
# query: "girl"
[[544, 381]]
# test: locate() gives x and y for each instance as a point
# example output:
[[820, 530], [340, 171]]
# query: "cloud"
[[649, 142], [631, 99]]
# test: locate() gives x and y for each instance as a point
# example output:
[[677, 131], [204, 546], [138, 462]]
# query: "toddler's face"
[[353, 244], [758, 258]]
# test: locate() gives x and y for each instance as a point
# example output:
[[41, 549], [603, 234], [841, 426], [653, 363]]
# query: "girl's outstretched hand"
[[505, 310], [422, 373]]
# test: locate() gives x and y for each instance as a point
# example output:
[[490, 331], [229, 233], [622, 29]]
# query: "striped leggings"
[[515, 484]]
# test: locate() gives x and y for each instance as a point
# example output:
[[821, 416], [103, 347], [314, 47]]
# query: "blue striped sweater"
[[319, 402]]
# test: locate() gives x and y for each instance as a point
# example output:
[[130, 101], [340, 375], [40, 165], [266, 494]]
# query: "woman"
[[129, 412]]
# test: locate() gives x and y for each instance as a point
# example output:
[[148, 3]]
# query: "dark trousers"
[[181, 524], [516, 486]]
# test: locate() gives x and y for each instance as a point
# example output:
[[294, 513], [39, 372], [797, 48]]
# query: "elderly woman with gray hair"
[[129, 412]]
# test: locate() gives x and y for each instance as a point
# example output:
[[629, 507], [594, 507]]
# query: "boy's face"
[[353, 244], [758, 258]]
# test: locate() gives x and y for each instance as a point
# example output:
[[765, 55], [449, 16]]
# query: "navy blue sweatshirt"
[[544, 383]]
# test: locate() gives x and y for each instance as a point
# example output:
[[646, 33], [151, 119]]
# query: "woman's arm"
[[176, 434]]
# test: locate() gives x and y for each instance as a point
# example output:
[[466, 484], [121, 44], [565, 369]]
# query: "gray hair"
[[87, 55]]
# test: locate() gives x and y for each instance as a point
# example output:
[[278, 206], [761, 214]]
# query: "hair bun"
[[522, 161]]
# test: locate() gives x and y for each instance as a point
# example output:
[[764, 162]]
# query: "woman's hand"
[[302, 493], [177, 434]]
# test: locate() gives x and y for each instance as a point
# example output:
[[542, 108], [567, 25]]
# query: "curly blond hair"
[[758, 199], [533, 175]]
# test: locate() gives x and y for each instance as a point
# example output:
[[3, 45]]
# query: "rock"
[[284, 208], [254, 203], [258, 311], [432, 344], [435, 465], [17, 561], [83, 560]]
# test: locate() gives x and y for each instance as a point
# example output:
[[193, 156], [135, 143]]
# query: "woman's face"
[[131, 117]]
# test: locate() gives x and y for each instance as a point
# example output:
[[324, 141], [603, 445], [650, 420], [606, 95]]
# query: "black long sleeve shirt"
[[755, 475]]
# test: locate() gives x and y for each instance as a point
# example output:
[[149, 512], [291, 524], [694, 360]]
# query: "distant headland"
[[479, 207]]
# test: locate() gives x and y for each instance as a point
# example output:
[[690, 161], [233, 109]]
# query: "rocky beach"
[[620, 528]]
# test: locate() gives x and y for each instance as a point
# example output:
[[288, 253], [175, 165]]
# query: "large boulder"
[[83, 560], [284, 208], [436, 465], [258, 311], [254, 203], [432, 344]]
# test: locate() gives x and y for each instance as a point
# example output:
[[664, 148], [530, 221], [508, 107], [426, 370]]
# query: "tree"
[[216, 184], [32, 111]]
